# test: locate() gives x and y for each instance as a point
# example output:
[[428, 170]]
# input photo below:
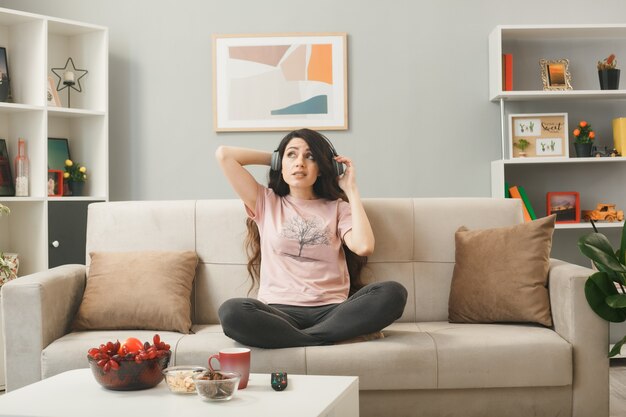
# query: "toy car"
[[603, 212]]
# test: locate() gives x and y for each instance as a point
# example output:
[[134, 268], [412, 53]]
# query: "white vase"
[[14, 264]]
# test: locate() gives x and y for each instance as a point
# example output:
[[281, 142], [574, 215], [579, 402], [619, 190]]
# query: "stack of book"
[[517, 191]]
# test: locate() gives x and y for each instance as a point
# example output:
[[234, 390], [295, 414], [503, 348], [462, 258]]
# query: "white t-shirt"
[[302, 259]]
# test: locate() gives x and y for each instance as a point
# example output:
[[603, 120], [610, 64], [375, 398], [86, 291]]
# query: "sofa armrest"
[[588, 334], [37, 309]]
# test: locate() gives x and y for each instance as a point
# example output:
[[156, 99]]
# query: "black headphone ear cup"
[[338, 167], [275, 161]]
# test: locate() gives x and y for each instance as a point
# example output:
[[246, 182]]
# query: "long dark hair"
[[326, 186]]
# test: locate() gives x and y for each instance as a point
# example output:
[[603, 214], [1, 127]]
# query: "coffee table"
[[76, 393]]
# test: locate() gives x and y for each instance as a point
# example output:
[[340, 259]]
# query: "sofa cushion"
[[499, 355], [70, 351], [405, 359], [138, 290], [501, 274], [195, 349]]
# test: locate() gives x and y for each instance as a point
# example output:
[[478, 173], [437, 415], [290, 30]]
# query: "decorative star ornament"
[[69, 77]]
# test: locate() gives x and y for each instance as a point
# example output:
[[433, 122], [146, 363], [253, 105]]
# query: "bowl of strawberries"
[[131, 365]]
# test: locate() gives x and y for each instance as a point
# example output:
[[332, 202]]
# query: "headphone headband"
[[337, 166]]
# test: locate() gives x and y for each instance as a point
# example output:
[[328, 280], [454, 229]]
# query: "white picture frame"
[[547, 135]]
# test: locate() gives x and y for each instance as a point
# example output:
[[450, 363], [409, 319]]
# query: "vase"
[[583, 150], [13, 261], [21, 170], [609, 79], [76, 188]]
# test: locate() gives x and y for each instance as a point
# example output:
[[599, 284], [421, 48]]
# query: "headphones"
[[275, 164]]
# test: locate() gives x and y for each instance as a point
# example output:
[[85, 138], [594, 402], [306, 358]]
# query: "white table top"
[[76, 393]]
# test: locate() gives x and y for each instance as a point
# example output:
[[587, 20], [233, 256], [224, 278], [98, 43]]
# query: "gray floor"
[[618, 388]]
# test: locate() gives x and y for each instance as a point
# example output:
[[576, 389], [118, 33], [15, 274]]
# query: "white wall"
[[420, 120]]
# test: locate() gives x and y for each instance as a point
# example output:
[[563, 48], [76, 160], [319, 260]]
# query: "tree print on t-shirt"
[[307, 232]]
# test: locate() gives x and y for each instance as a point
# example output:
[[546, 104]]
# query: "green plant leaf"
[[598, 287], [617, 348], [597, 247], [616, 300], [622, 248]]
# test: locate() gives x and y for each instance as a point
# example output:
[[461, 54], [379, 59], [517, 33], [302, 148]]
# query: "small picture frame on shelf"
[[55, 183], [565, 204], [5, 80], [58, 153], [52, 95], [540, 135], [7, 186], [555, 74]]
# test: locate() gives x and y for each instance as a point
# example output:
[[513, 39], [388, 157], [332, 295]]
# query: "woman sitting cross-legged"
[[308, 238]]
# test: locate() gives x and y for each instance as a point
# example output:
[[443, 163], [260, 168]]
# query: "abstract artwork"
[[280, 82]]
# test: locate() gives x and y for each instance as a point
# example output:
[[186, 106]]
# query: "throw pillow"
[[501, 274], [138, 290]]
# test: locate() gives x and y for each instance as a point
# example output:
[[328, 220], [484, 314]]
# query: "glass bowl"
[[217, 385], [131, 375], [179, 379]]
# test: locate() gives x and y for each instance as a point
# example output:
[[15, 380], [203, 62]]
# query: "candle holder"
[[68, 77]]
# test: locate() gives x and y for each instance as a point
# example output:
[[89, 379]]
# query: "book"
[[507, 72], [507, 193], [516, 194], [526, 201]]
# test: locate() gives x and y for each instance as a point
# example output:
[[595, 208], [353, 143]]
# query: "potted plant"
[[608, 73], [75, 175], [8, 261], [522, 144], [584, 137], [605, 290]]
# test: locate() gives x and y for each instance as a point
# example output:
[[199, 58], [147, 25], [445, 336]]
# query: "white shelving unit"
[[596, 179], [34, 45]]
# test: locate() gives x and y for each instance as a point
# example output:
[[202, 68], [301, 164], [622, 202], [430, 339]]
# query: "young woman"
[[308, 236]]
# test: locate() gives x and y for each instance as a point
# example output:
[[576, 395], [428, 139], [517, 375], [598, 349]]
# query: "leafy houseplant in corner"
[[608, 73], [8, 261], [584, 137], [605, 290], [75, 175]]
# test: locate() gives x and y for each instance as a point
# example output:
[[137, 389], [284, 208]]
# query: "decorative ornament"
[[69, 77]]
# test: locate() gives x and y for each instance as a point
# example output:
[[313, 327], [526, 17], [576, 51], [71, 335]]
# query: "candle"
[[68, 76]]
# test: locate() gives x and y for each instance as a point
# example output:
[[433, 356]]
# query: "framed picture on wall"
[[555, 74], [538, 135], [566, 206], [7, 186], [280, 82]]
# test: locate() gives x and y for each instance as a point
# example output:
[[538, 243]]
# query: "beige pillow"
[[138, 290], [501, 274]]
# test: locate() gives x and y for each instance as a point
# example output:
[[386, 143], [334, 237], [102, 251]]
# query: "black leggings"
[[253, 323]]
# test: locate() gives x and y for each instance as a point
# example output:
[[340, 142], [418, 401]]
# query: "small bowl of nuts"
[[217, 385], [179, 379]]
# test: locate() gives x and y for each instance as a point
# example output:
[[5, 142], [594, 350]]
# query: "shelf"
[[587, 225], [82, 198], [20, 199], [70, 113], [539, 95], [556, 160], [17, 107]]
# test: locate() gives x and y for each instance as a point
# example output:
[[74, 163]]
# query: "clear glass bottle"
[[21, 170]]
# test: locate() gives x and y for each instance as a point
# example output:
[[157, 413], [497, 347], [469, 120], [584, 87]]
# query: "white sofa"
[[425, 366]]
